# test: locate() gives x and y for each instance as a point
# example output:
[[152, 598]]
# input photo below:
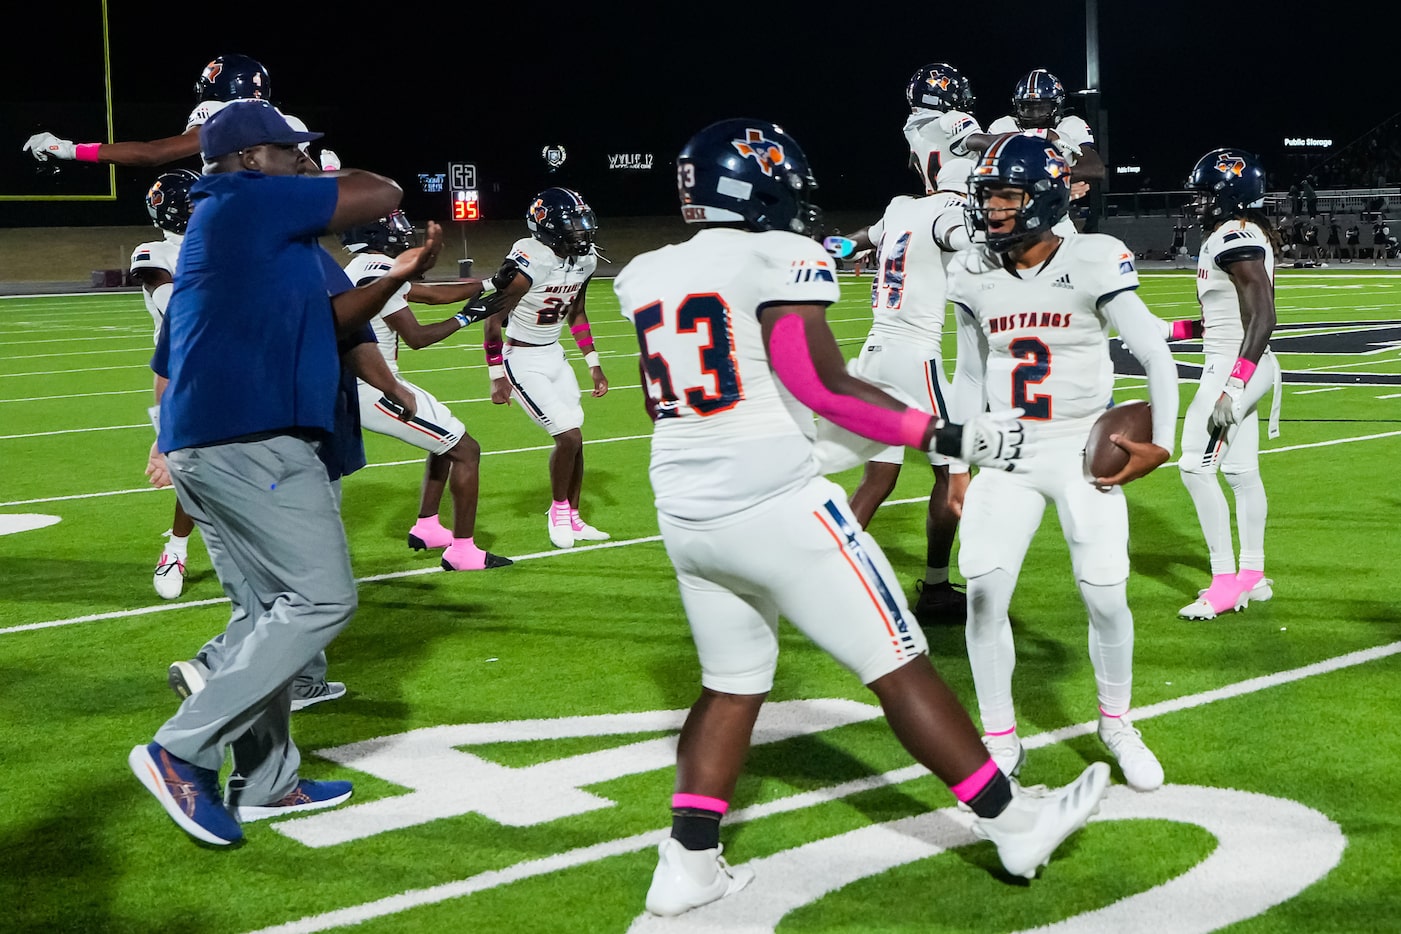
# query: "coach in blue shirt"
[[253, 369]]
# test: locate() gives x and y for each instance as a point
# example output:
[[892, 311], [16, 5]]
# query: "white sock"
[[1215, 517], [933, 576], [177, 546], [1251, 509], [991, 654]]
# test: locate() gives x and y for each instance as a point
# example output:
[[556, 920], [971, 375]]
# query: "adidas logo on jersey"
[[1063, 282]]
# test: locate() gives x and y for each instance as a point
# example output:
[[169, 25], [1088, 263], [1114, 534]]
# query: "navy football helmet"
[[390, 235], [168, 200], [747, 172], [563, 221], [1227, 182], [939, 87], [1032, 166], [233, 78], [1038, 100]]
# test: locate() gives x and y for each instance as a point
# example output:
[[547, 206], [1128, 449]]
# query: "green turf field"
[[510, 734]]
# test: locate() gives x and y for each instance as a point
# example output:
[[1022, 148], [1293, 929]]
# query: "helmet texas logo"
[[1235, 166], [764, 151]]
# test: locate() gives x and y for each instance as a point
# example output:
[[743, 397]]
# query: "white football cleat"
[[1006, 750], [584, 532], [1039, 819], [1142, 770], [1262, 591], [169, 579], [561, 532], [686, 879], [1210, 605]]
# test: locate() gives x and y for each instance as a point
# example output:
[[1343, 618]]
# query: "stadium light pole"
[[1094, 112]]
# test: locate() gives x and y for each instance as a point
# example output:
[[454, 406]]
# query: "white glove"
[[958, 126], [994, 439], [1227, 410], [44, 145], [1068, 150], [330, 162]]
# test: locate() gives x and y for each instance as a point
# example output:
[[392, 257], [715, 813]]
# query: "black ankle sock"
[[696, 828], [994, 797]]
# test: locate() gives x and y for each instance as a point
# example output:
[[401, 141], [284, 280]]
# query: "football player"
[[917, 237], [736, 355], [1038, 107], [1221, 431], [454, 457], [549, 274], [1034, 313], [940, 122], [227, 78], [153, 265]]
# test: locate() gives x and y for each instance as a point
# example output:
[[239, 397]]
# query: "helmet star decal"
[[764, 151]]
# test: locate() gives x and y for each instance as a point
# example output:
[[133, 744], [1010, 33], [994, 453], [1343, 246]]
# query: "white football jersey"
[[538, 317], [1071, 129], [908, 290], [728, 434], [928, 134], [365, 267], [158, 254], [1047, 341], [1223, 329]]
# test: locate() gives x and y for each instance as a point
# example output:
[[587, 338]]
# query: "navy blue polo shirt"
[[344, 452], [252, 338]]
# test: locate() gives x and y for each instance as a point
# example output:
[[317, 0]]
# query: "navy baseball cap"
[[243, 124]]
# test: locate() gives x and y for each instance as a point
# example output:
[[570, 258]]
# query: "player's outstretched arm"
[[805, 358], [44, 146], [1142, 333]]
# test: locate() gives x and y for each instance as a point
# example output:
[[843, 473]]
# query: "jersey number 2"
[[717, 356], [1034, 369]]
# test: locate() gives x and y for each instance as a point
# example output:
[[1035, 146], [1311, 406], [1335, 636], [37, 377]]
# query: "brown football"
[[1104, 458]]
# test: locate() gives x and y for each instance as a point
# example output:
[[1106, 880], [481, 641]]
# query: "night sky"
[[405, 91]]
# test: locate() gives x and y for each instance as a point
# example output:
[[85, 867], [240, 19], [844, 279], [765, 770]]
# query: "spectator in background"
[[1296, 203], [1178, 251], [1312, 254], [1286, 239], [1310, 196], [1335, 242], [1354, 242], [1381, 241]]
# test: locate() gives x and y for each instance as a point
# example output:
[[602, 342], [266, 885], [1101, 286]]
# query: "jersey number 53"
[[672, 355]]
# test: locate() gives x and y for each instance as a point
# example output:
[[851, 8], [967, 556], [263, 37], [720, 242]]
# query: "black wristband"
[[948, 439]]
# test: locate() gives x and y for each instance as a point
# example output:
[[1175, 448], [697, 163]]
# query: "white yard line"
[[495, 878]]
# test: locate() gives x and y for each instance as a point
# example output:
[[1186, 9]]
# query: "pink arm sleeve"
[[788, 352]]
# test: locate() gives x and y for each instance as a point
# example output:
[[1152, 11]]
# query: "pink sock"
[[1248, 579], [1223, 593], [464, 555], [431, 532], [559, 512]]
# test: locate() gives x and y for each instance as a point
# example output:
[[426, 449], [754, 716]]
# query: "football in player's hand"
[[1133, 420]]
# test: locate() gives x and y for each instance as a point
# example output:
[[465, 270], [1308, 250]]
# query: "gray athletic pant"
[[213, 652], [282, 559]]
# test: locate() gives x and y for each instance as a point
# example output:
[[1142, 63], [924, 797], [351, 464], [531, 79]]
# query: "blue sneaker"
[[189, 794], [307, 796]]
